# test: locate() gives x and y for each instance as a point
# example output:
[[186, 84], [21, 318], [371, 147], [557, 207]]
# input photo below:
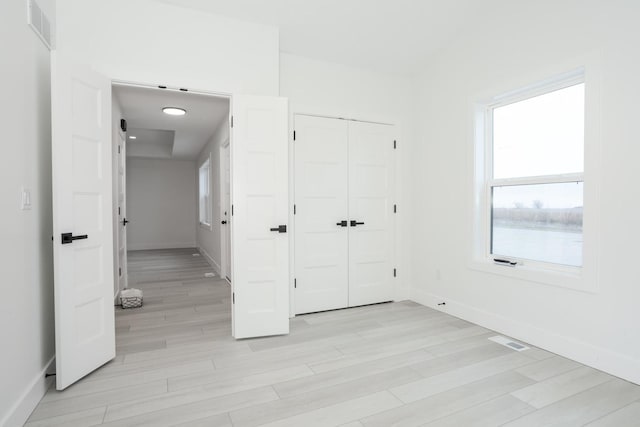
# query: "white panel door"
[[260, 196], [225, 191], [321, 218], [371, 191], [82, 220], [122, 212]]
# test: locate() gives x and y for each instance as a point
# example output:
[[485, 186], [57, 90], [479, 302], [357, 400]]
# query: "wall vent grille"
[[40, 23]]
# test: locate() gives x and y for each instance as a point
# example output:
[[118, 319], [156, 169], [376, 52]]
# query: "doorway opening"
[[171, 187], [83, 147]]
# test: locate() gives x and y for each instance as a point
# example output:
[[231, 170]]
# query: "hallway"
[[179, 302]]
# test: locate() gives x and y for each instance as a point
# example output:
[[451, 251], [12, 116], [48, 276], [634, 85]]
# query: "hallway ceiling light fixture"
[[133, 137], [174, 111]]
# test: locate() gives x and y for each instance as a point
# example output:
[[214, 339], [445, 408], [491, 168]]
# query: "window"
[[204, 192], [534, 176]]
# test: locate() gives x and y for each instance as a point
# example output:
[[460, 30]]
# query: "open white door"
[[260, 247], [122, 212], [82, 220], [225, 214]]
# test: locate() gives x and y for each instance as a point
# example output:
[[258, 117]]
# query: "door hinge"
[[231, 210], [233, 297], [123, 125], [118, 149], [231, 121], [118, 210], [119, 271], [295, 283], [294, 135], [294, 209], [395, 208], [394, 144], [395, 272]]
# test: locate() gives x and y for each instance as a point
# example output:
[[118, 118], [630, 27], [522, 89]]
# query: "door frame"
[[117, 82], [397, 218], [121, 137], [225, 249]]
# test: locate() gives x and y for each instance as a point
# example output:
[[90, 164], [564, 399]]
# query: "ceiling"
[[159, 135], [396, 36]]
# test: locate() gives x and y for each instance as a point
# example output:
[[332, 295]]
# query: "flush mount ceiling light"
[[133, 137], [174, 111]]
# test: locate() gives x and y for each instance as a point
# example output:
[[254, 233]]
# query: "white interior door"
[[82, 220], [259, 168], [225, 171], [122, 212], [371, 188], [321, 217]]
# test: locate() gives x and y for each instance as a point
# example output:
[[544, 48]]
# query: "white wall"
[[322, 88], [26, 256], [521, 40], [208, 240], [146, 41], [161, 204]]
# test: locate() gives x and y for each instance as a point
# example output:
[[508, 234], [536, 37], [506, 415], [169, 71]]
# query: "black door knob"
[[223, 222], [354, 223], [69, 238], [125, 222], [279, 229], [342, 223]]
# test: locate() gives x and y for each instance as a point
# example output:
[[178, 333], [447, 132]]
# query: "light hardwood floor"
[[381, 365]]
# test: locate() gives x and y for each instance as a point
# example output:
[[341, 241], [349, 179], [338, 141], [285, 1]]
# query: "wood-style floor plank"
[[387, 364]]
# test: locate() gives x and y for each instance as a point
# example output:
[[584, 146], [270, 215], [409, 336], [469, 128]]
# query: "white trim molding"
[[31, 396], [600, 358], [210, 260], [586, 277]]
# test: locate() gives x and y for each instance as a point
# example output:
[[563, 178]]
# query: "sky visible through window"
[[543, 135]]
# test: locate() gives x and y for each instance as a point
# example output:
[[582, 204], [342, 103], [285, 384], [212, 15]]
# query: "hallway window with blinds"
[[204, 193]]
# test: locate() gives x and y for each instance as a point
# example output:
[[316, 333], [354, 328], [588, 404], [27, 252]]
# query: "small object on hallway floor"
[[131, 298], [209, 275]]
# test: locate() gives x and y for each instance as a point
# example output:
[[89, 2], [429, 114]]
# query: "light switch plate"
[[25, 203]]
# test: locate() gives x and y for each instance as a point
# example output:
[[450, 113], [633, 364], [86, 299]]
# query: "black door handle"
[[279, 229], [342, 223], [125, 222], [69, 238], [354, 223], [223, 222]]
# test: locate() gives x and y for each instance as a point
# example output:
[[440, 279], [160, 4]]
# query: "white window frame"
[[206, 223], [582, 278]]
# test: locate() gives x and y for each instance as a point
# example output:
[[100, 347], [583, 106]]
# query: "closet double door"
[[344, 207]]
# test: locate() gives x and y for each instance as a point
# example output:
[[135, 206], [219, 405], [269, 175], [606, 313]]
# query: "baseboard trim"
[[211, 261], [145, 247], [613, 363], [24, 406]]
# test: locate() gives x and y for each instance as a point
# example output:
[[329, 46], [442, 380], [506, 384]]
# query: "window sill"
[[576, 281]]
